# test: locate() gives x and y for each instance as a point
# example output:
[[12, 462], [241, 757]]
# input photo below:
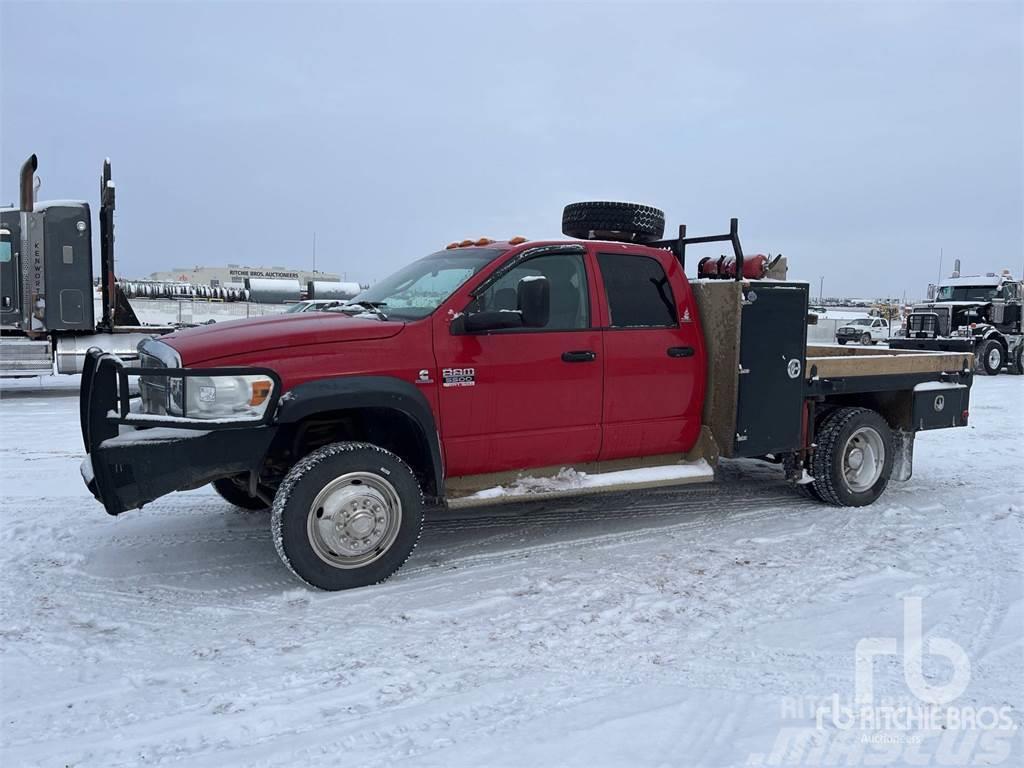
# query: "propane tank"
[[755, 267]]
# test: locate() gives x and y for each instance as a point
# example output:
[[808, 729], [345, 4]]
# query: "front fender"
[[358, 392]]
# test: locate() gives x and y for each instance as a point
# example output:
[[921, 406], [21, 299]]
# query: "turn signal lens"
[[260, 391]]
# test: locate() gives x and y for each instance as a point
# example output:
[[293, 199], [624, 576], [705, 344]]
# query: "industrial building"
[[236, 274]]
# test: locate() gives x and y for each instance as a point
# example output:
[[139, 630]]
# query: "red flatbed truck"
[[489, 360]]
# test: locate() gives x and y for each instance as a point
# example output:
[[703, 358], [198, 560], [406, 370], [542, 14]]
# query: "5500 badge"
[[458, 377]]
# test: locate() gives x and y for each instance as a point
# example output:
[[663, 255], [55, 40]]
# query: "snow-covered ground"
[[684, 627]]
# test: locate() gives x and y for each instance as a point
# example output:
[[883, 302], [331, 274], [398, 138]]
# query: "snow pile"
[[671, 627], [568, 479]]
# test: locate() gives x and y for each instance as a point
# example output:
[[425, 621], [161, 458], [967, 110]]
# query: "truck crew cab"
[[488, 359]]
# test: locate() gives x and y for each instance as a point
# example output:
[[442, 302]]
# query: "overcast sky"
[[857, 138]]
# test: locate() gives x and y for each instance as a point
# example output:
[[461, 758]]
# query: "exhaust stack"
[[28, 170]]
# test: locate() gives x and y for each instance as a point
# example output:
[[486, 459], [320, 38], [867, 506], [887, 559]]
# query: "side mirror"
[[479, 322], [533, 300], [533, 296]]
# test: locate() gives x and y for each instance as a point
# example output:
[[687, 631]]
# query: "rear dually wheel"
[[853, 459]]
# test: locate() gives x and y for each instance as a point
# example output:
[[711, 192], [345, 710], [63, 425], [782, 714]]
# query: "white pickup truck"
[[866, 330]]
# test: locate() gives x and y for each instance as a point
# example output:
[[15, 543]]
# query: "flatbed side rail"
[[883, 382]]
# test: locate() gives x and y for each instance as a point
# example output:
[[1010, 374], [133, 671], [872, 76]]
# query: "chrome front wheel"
[[354, 519], [347, 515]]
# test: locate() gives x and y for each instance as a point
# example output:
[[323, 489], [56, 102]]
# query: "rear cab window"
[[638, 291]]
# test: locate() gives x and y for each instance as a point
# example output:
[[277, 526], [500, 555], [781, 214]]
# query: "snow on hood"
[[208, 342]]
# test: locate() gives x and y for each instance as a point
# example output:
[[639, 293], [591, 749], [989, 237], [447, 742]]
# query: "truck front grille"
[[923, 326], [152, 388]]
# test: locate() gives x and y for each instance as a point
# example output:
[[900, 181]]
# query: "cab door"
[[10, 277], [654, 355], [524, 397]]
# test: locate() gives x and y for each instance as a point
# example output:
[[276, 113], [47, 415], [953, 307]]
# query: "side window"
[[567, 280], [639, 295]]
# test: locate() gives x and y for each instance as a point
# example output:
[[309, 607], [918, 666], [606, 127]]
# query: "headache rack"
[[678, 245]]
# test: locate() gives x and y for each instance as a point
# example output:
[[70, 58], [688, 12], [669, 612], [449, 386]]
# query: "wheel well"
[[996, 336], [897, 408], [388, 428]]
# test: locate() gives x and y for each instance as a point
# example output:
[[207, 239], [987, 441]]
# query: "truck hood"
[[208, 342]]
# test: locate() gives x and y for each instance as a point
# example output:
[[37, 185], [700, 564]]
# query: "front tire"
[[348, 515], [992, 357], [853, 459], [865, 339], [842, 341]]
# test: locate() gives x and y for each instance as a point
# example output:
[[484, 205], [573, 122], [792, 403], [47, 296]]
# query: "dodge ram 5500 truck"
[[487, 360]]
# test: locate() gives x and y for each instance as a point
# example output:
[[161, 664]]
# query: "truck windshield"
[[966, 293], [419, 288]]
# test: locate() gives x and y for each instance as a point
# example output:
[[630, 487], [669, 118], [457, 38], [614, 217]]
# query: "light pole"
[[821, 290]]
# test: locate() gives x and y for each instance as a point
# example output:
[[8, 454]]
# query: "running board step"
[[25, 357], [569, 482]]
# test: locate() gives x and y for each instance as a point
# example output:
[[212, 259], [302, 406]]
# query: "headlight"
[[219, 397]]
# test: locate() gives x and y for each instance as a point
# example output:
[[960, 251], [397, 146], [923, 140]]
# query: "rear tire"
[[865, 339], [804, 489], [613, 221], [347, 515], [1016, 366], [230, 491], [853, 459], [991, 357]]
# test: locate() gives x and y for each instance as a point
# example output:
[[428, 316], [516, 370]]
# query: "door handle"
[[680, 351], [582, 356]]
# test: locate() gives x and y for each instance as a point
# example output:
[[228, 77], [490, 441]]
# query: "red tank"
[[755, 267]]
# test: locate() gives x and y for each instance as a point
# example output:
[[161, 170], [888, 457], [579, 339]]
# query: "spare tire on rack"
[[629, 222]]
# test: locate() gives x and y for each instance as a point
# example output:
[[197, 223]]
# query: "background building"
[[234, 274]]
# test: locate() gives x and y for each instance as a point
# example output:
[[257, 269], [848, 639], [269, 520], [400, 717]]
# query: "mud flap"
[[903, 458]]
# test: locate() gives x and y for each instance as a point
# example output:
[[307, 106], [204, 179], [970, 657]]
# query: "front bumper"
[[933, 344], [128, 467]]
